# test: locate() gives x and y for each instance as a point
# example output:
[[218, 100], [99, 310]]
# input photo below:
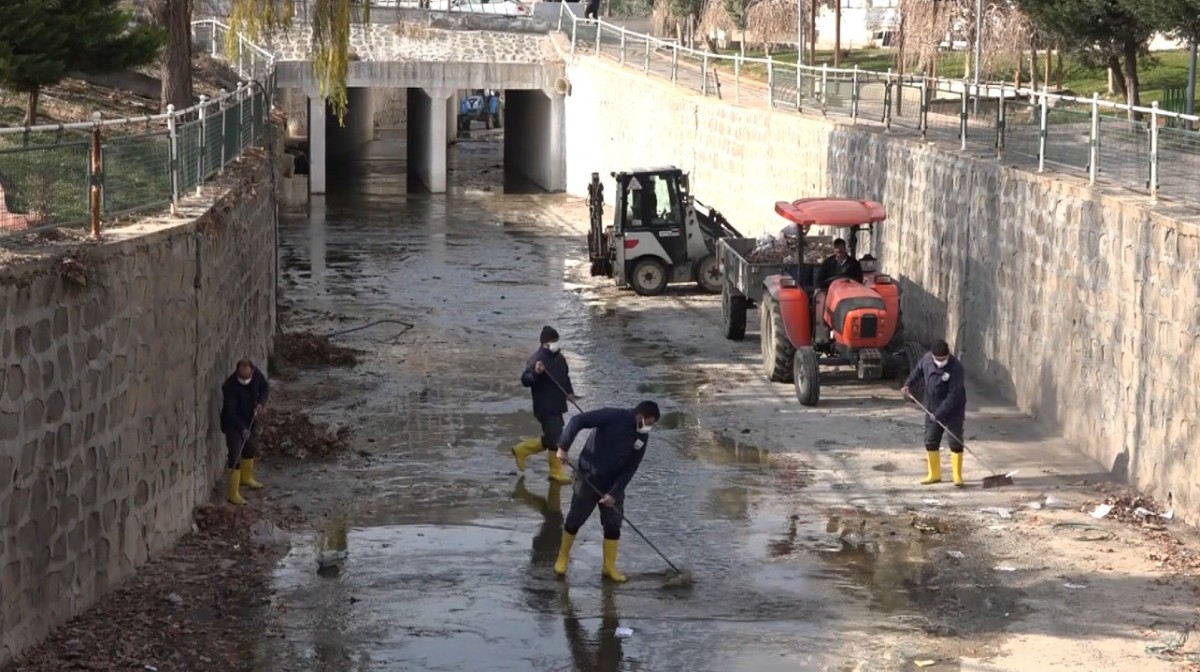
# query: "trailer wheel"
[[912, 352], [733, 313], [708, 274], [649, 277], [806, 373], [777, 350]]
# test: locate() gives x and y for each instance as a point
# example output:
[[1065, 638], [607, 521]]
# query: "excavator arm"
[[598, 243], [713, 225]]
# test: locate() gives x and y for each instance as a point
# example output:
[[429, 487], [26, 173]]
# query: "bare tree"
[[926, 25], [175, 16]]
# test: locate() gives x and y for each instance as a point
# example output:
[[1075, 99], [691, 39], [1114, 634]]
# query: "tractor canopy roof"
[[650, 170], [835, 212]]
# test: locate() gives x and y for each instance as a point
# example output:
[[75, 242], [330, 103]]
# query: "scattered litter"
[[957, 555], [1053, 502], [1075, 586], [999, 511], [1101, 511], [175, 599], [924, 663], [624, 633], [997, 528], [1033, 505], [1143, 512], [1168, 515], [1088, 532], [268, 534], [1169, 647], [294, 434], [933, 502], [1005, 568]]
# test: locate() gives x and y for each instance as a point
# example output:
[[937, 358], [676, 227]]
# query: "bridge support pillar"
[[452, 117], [317, 134], [427, 132]]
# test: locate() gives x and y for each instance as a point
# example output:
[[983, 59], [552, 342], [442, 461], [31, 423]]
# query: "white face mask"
[[941, 362], [643, 429], [552, 347], [244, 381]]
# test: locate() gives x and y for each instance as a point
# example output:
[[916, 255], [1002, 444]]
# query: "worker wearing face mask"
[[549, 381], [244, 393], [607, 463], [944, 383]]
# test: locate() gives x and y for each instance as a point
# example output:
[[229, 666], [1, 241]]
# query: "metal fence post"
[[675, 64], [224, 99], [173, 139], [1094, 140], [737, 78], [771, 82], [887, 102], [1000, 124], [562, 7], [824, 89], [704, 74], [962, 115], [923, 119], [854, 95], [1042, 128], [97, 176], [622, 61], [213, 46], [201, 173], [574, 31], [1154, 152], [239, 53], [599, 35], [646, 57]]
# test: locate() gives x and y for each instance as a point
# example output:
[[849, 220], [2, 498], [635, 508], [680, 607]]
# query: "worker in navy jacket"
[[944, 381], [244, 393], [607, 463], [548, 378]]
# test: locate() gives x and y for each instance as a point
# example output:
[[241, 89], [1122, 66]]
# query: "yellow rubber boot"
[[935, 467], [235, 481], [248, 475], [564, 554], [956, 467], [557, 473], [610, 561], [525, 449]]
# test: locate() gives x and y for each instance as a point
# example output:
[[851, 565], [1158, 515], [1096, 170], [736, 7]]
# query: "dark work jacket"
[[945, 388], [239, 401], [830, 269], [613, 452], [547, 398]]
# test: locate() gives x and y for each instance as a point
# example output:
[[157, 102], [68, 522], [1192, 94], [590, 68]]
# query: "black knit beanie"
[[549, 335]]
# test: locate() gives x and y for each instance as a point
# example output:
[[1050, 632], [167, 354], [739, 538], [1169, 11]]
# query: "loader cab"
[[650, 215]]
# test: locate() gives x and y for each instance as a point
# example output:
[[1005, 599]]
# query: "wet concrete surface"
[[450, 552]]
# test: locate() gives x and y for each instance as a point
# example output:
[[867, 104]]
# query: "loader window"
[[666, 198]]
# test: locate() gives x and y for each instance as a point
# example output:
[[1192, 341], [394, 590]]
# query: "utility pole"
[[978, 52], [1191, 87], [800, 32]]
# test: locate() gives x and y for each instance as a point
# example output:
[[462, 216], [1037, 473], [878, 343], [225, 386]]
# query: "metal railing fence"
[[1147, 148], [81, 174]]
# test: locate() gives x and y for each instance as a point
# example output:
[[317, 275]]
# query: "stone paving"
[[411, 42]]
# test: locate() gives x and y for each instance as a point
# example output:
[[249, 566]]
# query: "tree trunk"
[[1033, 65], [31, 107], [1133, 89], [1118, 76], [1046, 71], [175, 17], [812, 54], [1059, 68], [837, 33]]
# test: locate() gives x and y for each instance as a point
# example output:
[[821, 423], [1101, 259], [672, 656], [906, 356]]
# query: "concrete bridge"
[[432, 59]]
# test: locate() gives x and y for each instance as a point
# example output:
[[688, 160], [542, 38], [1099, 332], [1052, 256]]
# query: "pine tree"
[[42, 41]]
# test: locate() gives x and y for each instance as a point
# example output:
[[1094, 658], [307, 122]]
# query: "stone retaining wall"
[[1079, 306], [109, 397]]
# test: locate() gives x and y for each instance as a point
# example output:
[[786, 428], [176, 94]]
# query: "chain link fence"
[[1145, 147], [84, 173]]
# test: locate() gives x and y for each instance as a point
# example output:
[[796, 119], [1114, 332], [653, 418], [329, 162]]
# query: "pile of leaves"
[[197, 607], [293, 434], [1151, 517], [306, 349], [1130, 507], [780, 253]]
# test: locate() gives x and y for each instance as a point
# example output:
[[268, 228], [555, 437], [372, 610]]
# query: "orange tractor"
[[804, 325]]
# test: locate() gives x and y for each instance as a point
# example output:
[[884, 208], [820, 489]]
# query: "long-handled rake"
[[993, 481]]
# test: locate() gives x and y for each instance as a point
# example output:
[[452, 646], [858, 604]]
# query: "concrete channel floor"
[[811, 545]]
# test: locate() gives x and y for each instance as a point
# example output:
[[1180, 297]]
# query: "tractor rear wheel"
[[649, 277], [777, 350], [733, 313], [708, 274], [806, 373], [912, 352]]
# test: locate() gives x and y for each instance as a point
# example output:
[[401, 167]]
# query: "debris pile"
[[782, 250], [1129, 507], [294, 434], [307, 349]]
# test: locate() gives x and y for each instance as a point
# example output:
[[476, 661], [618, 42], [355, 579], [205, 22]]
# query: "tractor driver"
[[839, 265]]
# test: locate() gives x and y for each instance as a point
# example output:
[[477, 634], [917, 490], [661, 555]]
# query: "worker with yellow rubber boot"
[[244, 393], [607, 463], [946, 398], [549, 381]]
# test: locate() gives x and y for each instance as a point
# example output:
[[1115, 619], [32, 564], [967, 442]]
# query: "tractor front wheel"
[[912, 352], [733, 313], [708, 274], [806, 373], [649, 277], [777, 350]]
